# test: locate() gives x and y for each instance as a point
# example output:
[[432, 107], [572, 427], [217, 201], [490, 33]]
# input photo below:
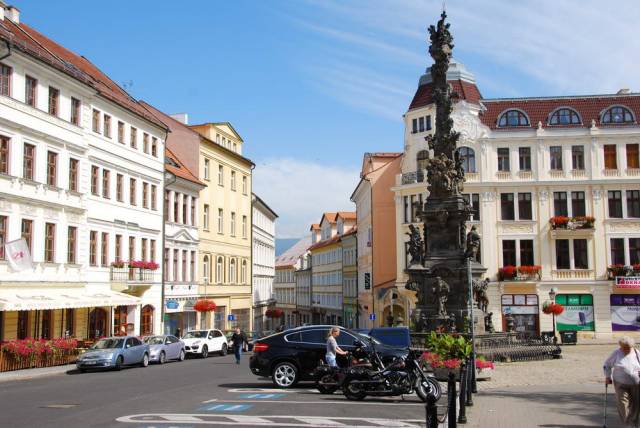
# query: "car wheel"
[[163, 358], [224, 349], [285, 375], [205, 352], [119, 362], [145, 361], [182, 355]]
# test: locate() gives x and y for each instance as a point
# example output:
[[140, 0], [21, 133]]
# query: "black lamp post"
[[552, 296]]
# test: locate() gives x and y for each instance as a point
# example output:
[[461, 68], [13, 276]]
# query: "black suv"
[[293, 355]]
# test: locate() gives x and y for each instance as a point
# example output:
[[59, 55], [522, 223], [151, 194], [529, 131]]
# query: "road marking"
[[280, 421], [270, 390], [343, 402], [262, 396], [228, 407]]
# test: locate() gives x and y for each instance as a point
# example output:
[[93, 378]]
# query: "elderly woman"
[[625, 364]]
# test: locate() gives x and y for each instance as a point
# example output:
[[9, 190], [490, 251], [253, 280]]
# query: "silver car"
[[165, 347], [114, 352]]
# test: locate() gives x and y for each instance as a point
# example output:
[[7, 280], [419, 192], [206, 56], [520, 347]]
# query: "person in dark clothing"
[[239, 339]]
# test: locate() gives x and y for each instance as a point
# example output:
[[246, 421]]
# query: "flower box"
[[442, 374], [484, 374], [572, 223]]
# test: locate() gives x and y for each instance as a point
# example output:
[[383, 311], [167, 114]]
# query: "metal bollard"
[[471, 371], [474, 382], [451, 395], [462, 415], [431, 411]]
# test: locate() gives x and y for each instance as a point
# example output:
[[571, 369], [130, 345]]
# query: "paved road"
[[211, 392]]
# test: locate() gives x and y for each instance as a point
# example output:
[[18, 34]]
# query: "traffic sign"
[[231, 317], [372, 317]]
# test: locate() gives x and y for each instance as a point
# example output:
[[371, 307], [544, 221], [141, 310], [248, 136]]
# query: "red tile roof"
[[465, 90], [330, 216], [347, 215], [315, 226], [326, 242], [181, 170], [384, 154], [539, 109], [32, 43]]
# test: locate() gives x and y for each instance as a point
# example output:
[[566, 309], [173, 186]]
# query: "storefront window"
[[625, 312], [524, 310], [97, 323], [120, 321], [23, 325], [146, 321], [578, 312]]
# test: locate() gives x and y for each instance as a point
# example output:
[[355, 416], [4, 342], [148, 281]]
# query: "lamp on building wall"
[[168, 179], [552, 295]]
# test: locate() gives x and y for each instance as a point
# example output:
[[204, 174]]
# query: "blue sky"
[[312, 85]]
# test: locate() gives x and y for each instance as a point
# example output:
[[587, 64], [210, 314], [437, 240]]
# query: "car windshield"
[[198, 334], [366, 338], [154, 340], [108, 344]]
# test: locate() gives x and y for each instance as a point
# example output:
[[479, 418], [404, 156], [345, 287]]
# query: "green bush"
[[448, 346]]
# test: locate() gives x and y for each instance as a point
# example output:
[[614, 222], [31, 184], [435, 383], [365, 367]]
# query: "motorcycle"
[[402, 377], [329, 379]]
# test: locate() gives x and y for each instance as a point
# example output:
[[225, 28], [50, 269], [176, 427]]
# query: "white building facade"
[[554, 187], [70, 185], [263, 221]]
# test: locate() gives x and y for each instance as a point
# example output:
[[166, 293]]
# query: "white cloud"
[[300, 191]]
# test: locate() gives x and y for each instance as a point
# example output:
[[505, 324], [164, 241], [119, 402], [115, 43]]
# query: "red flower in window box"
[[205, 305], [559, 221], [529, 270], [141, 264], [507, 272], [274, 313]]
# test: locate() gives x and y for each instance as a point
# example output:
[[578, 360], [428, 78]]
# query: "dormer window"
[[565, 116], [617, 114], [513, 118]]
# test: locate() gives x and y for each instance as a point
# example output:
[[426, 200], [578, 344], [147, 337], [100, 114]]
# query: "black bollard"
[[474, 383], [431, 411], [470, 372], [451, 395], [462, 415]]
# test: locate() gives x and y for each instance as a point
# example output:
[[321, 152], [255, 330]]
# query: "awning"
[[28, 299]]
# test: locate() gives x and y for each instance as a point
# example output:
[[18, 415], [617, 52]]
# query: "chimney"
[[624, 91], [12, 13], [181, 117]]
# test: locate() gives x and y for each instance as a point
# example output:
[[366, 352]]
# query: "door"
[[218, 339], [173, 347], [129, 353], [312, 348], [211, 343]]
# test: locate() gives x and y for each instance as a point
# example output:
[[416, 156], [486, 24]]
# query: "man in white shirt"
[[625, 364]]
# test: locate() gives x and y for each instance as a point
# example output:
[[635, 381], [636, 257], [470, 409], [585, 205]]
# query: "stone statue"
[[442, 176], [488, 323], [440, 292], [480, 294], [473, 244], [415, 245]]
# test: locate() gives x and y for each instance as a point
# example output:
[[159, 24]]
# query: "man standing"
[[238, 339]]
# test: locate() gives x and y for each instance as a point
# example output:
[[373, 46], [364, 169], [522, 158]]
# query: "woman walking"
[[625, 364], [333, 348]]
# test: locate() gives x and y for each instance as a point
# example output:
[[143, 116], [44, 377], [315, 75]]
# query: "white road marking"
[[343, 402], [301, 421], [270, 390]]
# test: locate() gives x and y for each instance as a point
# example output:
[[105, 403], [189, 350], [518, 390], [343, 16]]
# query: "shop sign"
[[520, 310], [625, 312], [188, 305], [628, 281], [231, 317], [576, 318], [172, 304]]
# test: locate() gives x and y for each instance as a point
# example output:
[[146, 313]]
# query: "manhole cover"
[[59, 406]]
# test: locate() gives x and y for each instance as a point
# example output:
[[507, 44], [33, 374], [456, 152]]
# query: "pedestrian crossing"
[[227, 407], [262, 396]]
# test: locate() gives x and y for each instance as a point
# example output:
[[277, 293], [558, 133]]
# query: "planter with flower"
[[446, 354], [551, 308], [484, 368], [529, 272], [204, 305], [572, 223], [622, 270], [27, 353], [507, 273], [274, 313]]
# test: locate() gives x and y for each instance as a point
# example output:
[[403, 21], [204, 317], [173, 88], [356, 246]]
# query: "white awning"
[[28, 299]]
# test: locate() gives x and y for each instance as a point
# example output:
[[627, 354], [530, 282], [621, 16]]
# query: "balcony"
[[573, 274], [614, 271], [578, 173], [525, 175], [633, 172], [556, 173], [503, 175], [412, 177], [520, 273], [132, 280], [609, 172]]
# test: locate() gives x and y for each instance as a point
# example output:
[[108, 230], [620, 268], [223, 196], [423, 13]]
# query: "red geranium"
[[273, 313], [529, 270], [553, 308], [205, 305], [507, 272]]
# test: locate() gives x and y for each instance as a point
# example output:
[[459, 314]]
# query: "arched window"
[[219, 271], [468, 158], [513, 118], [232, 271], [565, 116], [617, 114], [422, 159], [205, 270], [146, 320], [243, 272]]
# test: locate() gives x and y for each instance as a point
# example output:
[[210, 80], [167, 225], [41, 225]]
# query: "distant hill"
[[283, 245]]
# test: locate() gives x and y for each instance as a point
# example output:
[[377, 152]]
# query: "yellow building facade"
[[225, 227]]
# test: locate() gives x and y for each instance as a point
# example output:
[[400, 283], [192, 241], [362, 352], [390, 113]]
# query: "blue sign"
[[172, 304], [372, 317], [231, 317]]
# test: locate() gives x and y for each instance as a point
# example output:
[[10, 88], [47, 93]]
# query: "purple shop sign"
[[625, 312]]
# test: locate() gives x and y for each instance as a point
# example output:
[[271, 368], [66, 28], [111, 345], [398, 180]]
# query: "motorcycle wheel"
[[428, 386], [327, 384], [353, 391]]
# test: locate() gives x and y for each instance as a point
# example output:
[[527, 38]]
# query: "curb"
[[34, 373]]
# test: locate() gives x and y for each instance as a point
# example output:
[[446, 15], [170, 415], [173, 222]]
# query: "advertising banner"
[[18, 255], [625, 312], [576, 318], [628, 281]]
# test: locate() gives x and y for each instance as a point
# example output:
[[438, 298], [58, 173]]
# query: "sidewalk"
[[35, 373]]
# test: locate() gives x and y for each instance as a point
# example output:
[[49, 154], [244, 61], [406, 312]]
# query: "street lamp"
[[552, 295], [168, 179]]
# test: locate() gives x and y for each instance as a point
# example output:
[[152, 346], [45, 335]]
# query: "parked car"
[[293, 355], [165, 347], [203, 342], [114, 352]]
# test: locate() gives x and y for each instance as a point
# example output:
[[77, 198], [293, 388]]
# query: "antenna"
[[127, 84], [444, 6]]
